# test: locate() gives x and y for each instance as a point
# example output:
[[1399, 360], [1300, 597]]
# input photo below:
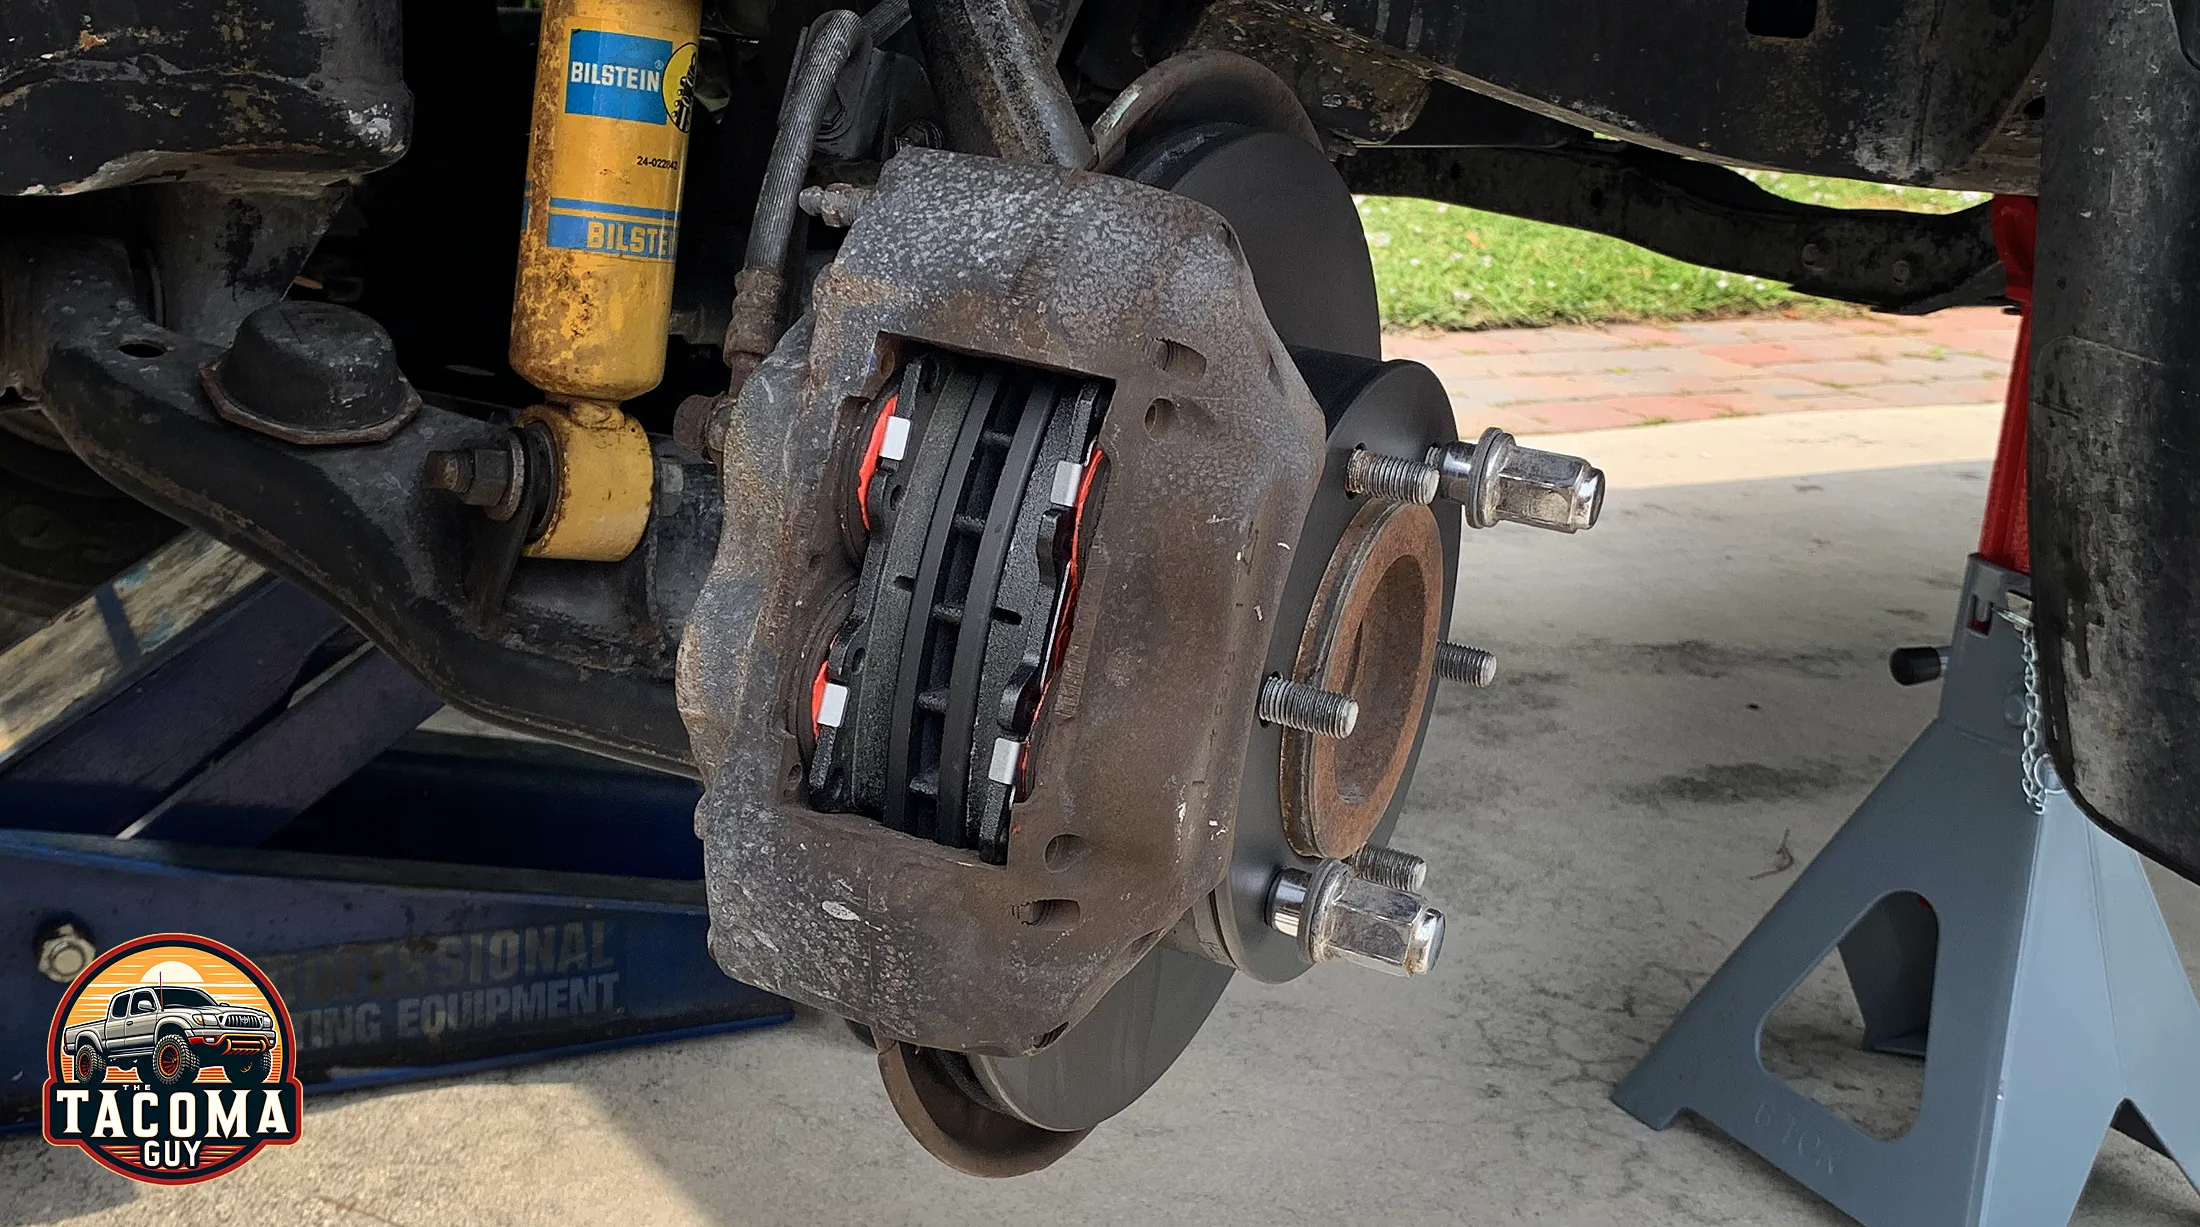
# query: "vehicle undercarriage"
[[956, 431]]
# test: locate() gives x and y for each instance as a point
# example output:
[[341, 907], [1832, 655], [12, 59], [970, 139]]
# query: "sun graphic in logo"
[[169, 1061], [171, 971]]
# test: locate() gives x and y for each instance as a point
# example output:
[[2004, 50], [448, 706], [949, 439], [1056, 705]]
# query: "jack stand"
[[2058, 1007]]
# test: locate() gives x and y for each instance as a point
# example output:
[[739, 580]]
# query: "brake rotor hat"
[[1373, 635]]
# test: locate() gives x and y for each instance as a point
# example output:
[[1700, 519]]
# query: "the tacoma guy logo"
[[170, 1061]]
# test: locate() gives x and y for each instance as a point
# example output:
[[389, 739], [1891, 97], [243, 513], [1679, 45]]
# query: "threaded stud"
[[1456, 662], [1390, 867], [487, 477], [1310, 709], [1390, 477]]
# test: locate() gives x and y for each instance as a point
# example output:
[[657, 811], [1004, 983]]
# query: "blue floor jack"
[[201, 747]]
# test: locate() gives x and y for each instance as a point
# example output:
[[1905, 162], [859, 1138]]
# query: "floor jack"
[[1986, 924], [201, 747]]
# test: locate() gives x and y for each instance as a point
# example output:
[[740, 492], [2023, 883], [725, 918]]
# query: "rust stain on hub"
[[1372, 636]]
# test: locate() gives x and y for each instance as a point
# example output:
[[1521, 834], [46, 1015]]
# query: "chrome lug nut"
[[1392, 867], [1495, 479], [1338, 915], [1310, 709], [1392, 478], [1456, 662], [63, 951]]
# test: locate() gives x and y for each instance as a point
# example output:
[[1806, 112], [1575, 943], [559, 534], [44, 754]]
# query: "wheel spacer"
[[1391, 408]]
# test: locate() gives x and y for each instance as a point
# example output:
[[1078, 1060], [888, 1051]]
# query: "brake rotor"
[[1294, 220], [1300, 232]]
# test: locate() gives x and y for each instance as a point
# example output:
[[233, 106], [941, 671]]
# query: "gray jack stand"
[[2057, 1008]]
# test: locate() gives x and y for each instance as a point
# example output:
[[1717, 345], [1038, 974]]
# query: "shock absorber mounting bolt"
[[490, 478]]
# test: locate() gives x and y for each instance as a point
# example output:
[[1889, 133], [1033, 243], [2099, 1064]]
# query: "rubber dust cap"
[[312, 373]]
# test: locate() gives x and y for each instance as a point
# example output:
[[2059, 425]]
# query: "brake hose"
[[761, 286]]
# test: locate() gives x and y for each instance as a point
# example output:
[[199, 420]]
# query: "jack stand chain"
[[2038, 766]]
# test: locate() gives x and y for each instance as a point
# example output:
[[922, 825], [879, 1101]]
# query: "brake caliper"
[[973, 677]]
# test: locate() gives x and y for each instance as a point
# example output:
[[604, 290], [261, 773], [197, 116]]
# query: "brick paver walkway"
[[1534, 380]]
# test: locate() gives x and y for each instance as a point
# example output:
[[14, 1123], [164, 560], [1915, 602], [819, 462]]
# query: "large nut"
[[63, 951], [1336, 914], [492, 478], [1496, 479]]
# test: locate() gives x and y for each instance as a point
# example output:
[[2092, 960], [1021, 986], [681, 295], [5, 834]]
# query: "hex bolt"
[[1392, 867], [64, 950], [1495, 480], [487, 477], [1338, 915], [923, 134], [1392, 478], [1310, 709], [452, 471], [699, 424], [1456, 662]]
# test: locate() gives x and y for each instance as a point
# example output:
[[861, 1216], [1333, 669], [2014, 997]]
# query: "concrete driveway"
[[1692, 699]]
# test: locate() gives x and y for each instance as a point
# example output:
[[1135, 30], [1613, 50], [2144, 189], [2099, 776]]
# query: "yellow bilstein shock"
[[614, 97]]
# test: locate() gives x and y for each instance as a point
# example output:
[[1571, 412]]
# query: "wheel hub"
[[1377, 618]]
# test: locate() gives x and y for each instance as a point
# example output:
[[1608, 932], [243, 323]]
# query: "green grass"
[[1443, 266]]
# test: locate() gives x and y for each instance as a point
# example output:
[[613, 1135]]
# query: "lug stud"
[[1456, 662], [1391, 867], [1310, 709], [1392, 478]]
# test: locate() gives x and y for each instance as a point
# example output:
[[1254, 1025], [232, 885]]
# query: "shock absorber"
[[614, 98]]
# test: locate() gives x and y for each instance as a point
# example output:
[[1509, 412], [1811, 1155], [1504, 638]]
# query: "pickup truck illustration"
[[167, 1034]]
